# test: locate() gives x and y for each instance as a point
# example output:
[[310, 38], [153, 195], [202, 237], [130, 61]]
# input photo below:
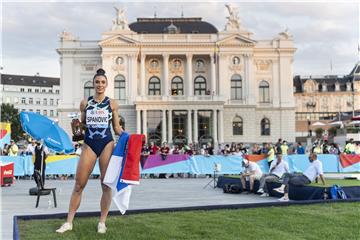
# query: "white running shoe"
[[264, 195], [260, 190], [283, 199], [65, 227], [101, 228], [279, 189]]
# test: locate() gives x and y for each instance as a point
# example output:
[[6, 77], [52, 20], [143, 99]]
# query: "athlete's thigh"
[[104, 158], [86, 164]]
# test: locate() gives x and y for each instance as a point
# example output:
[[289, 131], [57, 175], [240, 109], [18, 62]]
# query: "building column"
[[170, 126], [189, 81], [134, 87], [165, 86], [142, 75], [144, 123], [189, 127], [212, 75], [215, 135], [163, 126], [196, 126], [138, 121], [221, 126]]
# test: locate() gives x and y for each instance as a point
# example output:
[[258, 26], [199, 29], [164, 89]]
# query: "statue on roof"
[[233, 18], [66, 36], [120, 22]]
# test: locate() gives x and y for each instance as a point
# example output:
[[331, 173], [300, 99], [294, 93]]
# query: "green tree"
[[319, 132], [11, 114]]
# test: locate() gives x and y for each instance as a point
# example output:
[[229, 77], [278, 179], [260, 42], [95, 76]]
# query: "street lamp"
[[308, 124]]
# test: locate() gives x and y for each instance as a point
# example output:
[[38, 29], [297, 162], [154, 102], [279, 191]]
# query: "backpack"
[[232, 188], [336, 192]]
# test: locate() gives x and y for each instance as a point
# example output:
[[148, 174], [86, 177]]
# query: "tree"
[[319, 132], [332, 131], [11, 114]]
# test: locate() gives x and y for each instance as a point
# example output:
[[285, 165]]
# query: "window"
[[50, 90], [29, 90], [264, 92], [45, 112], [154, 86], [177, 87], [265, 127], [44, 101], [23, 100], [154, 126], [51, 102], [51, 113], [43, 91], [237, 126], [38, 111], [57, 91], [22, 89], [236, 87], [236, 60], [205, 124], [179, 123], [31, 101], [31, 110], [200, 86], [88, 89], [119, 85], [36, 90], [37, 101]]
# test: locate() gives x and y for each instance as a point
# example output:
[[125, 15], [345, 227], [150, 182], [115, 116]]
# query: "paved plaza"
[[151, 193]]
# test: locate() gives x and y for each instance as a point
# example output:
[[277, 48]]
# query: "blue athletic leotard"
[[98, 118]]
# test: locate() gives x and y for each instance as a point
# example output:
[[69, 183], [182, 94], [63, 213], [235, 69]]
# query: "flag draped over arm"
[[123, 169]]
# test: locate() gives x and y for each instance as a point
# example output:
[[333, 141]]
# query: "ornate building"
[[324, 98], [182, 80]]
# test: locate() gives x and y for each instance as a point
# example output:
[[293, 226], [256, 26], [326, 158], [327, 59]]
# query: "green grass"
[[320, 221], [340, 182]]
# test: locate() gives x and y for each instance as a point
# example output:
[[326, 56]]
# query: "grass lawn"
[[340, 182], [319, 221]]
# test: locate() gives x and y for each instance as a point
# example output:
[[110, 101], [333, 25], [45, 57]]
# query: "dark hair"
[[100, 72]]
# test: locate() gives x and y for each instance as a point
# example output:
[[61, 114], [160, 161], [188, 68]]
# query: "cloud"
[[322, 31]]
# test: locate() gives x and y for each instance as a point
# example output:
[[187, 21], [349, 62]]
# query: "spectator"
[[277, 169], [237, 152], [209, 149], [242, 148], [227, 150], [264, 149], [350, 147], [357, 148], [251, 172], [300, 149], [334, 149], [5, 150], [30, 149], [13, 149], [153, 148], [311, 173], [284, 148], [164, 151], [189, 149], [175, 150], [233, 147], [277, 148], [256, 149], [325, 147], [270, 154], [317, 149]]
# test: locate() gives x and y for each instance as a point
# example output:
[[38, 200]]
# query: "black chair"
[[41, 190]]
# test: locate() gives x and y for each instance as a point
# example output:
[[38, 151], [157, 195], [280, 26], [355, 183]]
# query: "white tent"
[[318, 124]]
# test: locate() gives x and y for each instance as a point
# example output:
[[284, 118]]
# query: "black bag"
[[232, 188]]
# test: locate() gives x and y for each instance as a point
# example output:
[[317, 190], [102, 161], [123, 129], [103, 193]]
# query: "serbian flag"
[[123, 170]]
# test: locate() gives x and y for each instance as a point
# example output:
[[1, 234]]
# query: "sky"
[[326, 34]]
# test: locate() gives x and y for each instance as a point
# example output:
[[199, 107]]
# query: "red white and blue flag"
[[123, 169]]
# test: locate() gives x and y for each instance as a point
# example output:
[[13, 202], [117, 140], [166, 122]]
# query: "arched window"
[[119, 87], [177, 86], [122, 122], [154, 86], [88, 89], [236, 87], [265, 127], [200, 86], [264, 92], [237, 126]]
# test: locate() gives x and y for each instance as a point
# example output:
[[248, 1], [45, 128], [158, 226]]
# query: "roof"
[[160, 25], [34, 81]]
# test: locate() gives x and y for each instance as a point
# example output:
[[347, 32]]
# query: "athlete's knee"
[[105, 187], [79, 187]]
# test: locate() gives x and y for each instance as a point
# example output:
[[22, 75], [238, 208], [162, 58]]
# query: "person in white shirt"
[[251, 172], [30, 149], [277, 169], [311, 173]]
